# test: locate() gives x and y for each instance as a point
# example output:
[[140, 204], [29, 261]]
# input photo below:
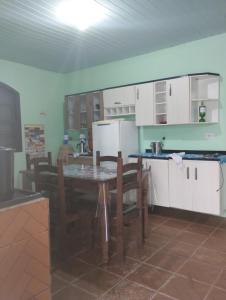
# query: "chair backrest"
[[38, 160], [129, 177], [51, 179], [107, 158]]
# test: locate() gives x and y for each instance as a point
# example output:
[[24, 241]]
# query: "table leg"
[[103, 204]]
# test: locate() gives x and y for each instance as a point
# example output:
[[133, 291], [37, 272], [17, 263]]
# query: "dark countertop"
[[189, 155], [20, 197]]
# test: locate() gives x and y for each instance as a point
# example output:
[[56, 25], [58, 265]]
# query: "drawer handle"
[[117, 102], [187, 172], [196, 174]]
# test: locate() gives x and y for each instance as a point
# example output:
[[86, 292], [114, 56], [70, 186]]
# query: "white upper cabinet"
[[144, 104], [171, 101], [119, 101], [178, 108], [205, 90]]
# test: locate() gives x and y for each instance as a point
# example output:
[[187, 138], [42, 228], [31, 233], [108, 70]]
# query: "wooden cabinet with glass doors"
[[83, 109]]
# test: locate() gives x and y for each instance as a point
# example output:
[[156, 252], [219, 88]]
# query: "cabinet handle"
[[187, 172], [138, 94], [170, 90], [196, 173]]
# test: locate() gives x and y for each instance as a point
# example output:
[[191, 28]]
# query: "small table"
[[102, 180]]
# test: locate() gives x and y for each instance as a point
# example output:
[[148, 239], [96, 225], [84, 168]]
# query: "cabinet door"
[[159, 181], [72, 114], [206, 183], [119, 96], [178, 107], [97, 109], [144, 104], [180, 185]]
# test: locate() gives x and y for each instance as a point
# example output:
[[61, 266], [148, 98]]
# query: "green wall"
[[206, 55], [40, 92]]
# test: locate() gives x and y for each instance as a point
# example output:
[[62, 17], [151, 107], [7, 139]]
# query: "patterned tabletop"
[[94, 173]]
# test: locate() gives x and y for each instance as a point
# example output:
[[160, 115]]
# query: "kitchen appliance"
[[156, 147], [82, 145], [6, 173], [111, 136]]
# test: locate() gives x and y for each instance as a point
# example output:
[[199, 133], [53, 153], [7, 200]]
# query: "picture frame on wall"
[[34, 140]]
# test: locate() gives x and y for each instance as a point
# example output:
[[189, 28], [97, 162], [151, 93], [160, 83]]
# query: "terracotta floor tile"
[[73, 269], [170, 262], [91, 256], [140, 254], [168, 231], [121, 268], [97, 282], [180, 248], [191, 238], [200, 271], [200, 229], [209, 220], [161, 297], [215, 244], [185, 289], [57, 284], [73, 293], [221, 282], [177, 224], [127, 290], [149, 276], [211, 256], [157, 240], [154, 220], [186, 215], [217, 294], [220, 234]]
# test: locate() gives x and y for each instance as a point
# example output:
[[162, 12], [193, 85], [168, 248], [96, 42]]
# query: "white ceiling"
[[30, 33]]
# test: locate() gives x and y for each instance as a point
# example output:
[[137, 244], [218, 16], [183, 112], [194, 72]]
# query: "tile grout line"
[[144, 262], [140, 264], [175, 272]]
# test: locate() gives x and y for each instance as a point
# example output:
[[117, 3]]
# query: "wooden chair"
[[129, 177], [38, 160], [100, 159], [51, 179]]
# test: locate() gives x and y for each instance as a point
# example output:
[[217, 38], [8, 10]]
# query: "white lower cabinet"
[[159, 181], [180, 190], [195, 186]]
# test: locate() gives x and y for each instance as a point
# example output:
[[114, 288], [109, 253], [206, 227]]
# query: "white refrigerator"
[[111, 136]]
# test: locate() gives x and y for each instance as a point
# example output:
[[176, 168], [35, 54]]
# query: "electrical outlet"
[[210, 135]]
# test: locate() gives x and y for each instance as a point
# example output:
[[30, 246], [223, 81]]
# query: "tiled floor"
[[184, 258]]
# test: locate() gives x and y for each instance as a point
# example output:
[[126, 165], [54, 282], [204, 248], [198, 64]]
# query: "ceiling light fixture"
[[80, 13]]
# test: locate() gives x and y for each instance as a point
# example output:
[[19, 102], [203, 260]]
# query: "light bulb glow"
[[80, 13]]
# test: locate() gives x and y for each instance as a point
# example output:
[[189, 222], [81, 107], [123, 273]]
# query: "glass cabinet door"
[[97, 106], [83, 111]]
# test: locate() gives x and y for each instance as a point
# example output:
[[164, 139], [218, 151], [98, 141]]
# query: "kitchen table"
[[102, 180]]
